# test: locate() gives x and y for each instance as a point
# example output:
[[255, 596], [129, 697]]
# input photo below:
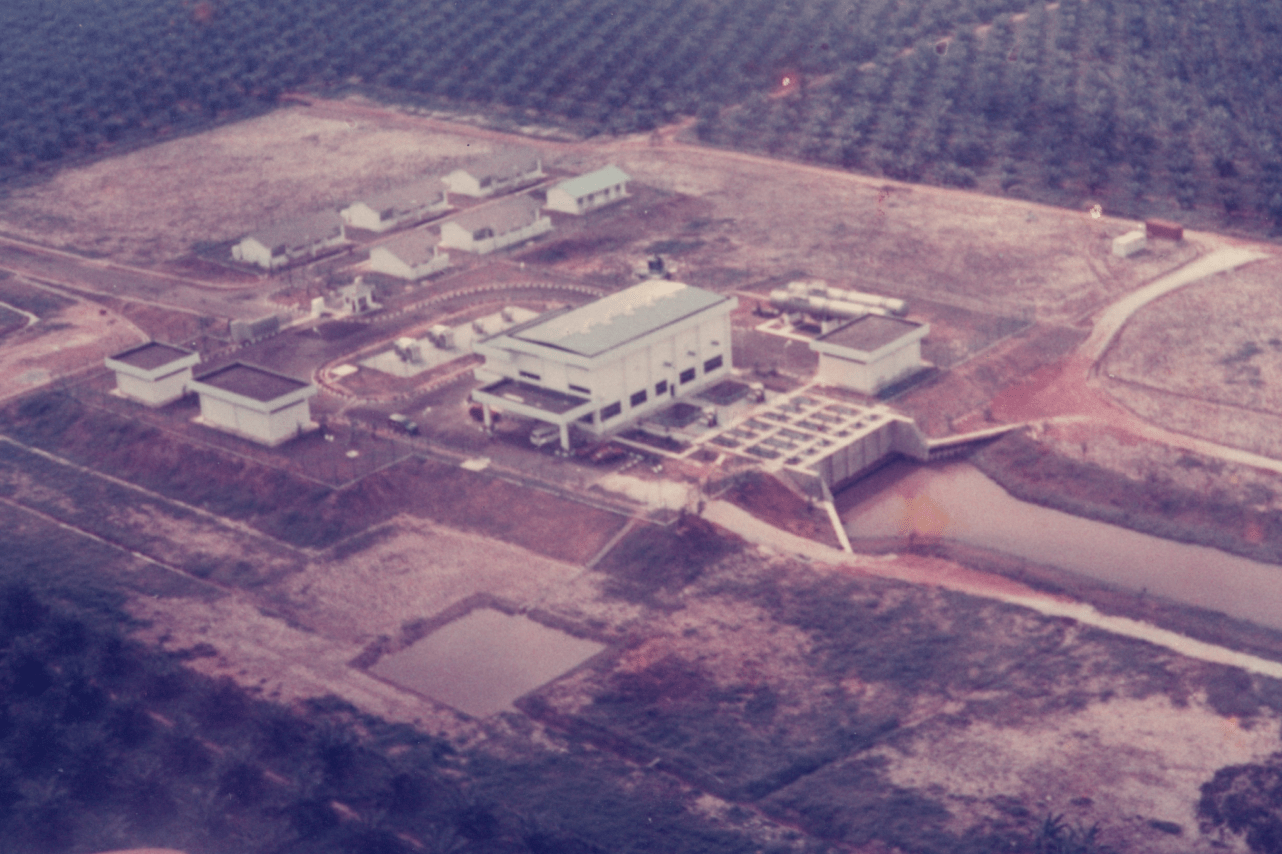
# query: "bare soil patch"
[[299, 510], [971, 393], [1207, 359], [821, 700], [70, 336], [155, 204], [765, 497]]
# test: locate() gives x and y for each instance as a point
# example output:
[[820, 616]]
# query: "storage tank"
[[822, 306], [820, 288]]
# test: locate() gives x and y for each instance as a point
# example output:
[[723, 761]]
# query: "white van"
[[545, 434]]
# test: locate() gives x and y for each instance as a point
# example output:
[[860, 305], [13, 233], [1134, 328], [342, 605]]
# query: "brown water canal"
[[956, 501]]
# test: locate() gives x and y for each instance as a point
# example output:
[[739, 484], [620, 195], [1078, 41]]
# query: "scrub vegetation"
[[1136, 103], [104, 745]]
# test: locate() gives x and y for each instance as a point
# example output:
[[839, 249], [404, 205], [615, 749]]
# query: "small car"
[[403, 423]]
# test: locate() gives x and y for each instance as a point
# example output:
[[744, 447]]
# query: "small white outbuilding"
[[255, 403], [870, 353], [588, 192], [153, 374], [1129, 243]]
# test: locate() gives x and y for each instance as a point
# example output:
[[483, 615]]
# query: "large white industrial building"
[[255, 403], [604, 365]]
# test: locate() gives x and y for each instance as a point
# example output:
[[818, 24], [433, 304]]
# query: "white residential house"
[[587, 192], [499, 173], [870, 353], [255, 403], [604, 365], [153, 374], [494, 226], [405, 205], [413, 255], [286, 242]]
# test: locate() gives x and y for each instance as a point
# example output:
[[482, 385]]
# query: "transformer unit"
[[441, 336], [408, 350]]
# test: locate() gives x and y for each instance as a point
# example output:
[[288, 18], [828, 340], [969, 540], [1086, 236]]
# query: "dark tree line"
[[1131, 99], [1127, 100], [105, 744], [78, 75]]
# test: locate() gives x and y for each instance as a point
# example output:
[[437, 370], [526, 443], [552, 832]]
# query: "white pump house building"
[[153, 374], [604, 365], [255, 403]]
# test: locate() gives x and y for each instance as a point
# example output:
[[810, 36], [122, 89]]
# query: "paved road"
[[1114, 317]]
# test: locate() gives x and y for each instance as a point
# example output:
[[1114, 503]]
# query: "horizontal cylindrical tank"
[[820, 288], [823, 306]]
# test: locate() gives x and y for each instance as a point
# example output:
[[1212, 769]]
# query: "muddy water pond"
[[483, 661], [956, 501]]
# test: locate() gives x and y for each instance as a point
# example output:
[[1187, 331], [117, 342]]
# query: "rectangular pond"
[[482, 662]]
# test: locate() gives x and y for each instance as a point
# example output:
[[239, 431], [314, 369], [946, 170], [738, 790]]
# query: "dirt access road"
[[1070, 392], [237, 301]]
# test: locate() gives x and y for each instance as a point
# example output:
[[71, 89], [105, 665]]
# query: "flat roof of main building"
[[618, 318], [870, 332], [151, 355], [534, 396], [255, 383]]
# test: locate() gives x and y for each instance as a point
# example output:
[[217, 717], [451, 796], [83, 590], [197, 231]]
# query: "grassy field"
[[290, 508]]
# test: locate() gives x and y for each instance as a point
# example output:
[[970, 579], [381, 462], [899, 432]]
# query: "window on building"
[[610, 411], [529, 376], [580, 389], [687, 375], [638, 398], [660, 388], [712, 364]]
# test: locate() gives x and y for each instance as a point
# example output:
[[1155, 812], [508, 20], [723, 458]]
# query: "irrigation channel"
[[955, 501]]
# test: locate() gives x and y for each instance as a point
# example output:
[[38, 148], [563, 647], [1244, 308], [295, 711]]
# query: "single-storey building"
[[153, 374], [286, 242], [405, 205], [255, 403], [870, 353], [1126, 245], [499, 173], [504, 223], [357, 298], [413, 255], [611, 362], [586, 192]]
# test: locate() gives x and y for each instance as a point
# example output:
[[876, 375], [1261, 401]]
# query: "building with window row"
[[605, 365], [588, 192]]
